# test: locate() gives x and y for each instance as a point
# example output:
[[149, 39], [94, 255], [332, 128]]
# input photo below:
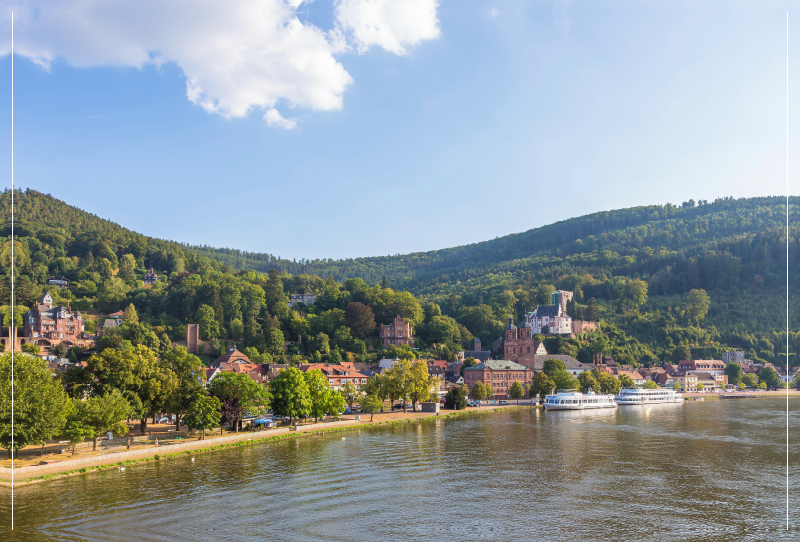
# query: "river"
[[702, 471]]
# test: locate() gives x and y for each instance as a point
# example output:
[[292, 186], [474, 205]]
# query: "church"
[[519, 344]]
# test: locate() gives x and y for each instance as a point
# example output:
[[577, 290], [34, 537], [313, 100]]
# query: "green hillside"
[[732, 249]]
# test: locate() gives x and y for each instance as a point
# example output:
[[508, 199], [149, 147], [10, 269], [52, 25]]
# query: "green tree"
[[516, 391], [626, 381], [127, 268], [553, 366], [697, 303], [734, 372], [372, 404], [40, 404], [101, 414], [203, 413], [420, 383], [681, 353], [676, 386], [236, 329], [455, 399], [239, 395], [606, 383], [351, 394], [650, 385], [700, 386], [565, 381], [291, 397], [542, 385], [274, 341], [397, 380], [209, 326], [321, 394], [467, 363], [130, 316], [478, 391], [635, 293], [188, 372], [587, 381], [768, 376], [360, 319], [145, 382], [374, 386], [29, 348], [592, 313], [749, 379]]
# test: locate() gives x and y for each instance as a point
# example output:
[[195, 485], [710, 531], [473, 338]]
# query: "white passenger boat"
[[641, 396], [575, 400]]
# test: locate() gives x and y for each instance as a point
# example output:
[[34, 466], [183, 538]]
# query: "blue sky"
[[418, 125]]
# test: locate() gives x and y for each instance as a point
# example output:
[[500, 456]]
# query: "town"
[[168, 383]]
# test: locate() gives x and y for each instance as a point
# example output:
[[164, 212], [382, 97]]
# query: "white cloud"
[[237, 57], [274, 118], [390, 24]]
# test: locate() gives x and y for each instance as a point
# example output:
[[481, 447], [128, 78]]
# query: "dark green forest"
[[733, 250]]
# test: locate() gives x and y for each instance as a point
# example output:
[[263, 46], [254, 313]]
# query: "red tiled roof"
[[231, 356]]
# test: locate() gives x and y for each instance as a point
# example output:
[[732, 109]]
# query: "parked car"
[[348, 410], [397, 407], [166, 419], [502, 402]]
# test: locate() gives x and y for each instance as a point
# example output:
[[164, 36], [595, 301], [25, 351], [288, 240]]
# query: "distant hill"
[[735, 249]]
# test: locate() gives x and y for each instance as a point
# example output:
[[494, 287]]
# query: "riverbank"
[[122, 458]]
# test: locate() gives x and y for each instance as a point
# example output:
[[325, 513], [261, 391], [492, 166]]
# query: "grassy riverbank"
[[109, 461]]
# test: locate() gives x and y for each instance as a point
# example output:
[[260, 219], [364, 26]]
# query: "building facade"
[[733, 357], [59, 281], [501, 374], [710, 366], [305, 299], [398, 332], [150, 277], [550, 319], [338, 375], [519, 345], [53, 324]]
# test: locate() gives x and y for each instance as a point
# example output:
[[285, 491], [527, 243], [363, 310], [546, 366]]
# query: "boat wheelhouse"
[[641, 396], [575, 400]]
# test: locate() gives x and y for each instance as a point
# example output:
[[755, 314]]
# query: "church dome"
[[511, 325], [525, 323]]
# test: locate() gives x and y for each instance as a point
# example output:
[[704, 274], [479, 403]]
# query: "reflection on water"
[[701, 471]]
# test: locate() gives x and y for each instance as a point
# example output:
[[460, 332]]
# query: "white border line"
[[13, 455], [787, 270]]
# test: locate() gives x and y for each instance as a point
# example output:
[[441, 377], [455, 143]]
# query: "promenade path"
[[54, 463]]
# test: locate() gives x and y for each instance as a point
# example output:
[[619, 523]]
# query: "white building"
[[553, 317]]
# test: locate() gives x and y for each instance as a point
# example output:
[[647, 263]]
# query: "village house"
[[58, 281], [501, 374], [338, 375], [398, 332], [519, 344], [48, 325], [711, 382], [305, 299], [710, 366], [150, 277], [687, 382]]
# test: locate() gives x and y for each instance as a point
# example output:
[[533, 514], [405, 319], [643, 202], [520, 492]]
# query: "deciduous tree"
[[203, 413], [40, 404]]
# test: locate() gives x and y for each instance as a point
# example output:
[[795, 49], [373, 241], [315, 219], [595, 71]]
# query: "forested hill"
[[636, 241], [633, 270]]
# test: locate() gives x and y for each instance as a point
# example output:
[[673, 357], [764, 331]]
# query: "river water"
[[712, 470]]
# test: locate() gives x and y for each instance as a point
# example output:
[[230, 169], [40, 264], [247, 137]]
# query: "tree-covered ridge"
[[600, 239], [634, 270]]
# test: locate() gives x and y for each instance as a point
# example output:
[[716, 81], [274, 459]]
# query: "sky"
[[348, 128]]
